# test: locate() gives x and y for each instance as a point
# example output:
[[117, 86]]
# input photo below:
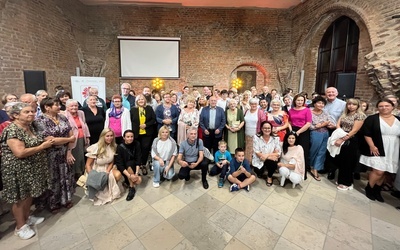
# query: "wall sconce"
[[158, 83], [237, 83]]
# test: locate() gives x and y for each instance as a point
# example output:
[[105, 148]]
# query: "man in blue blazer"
[[167, 114], [212, 122]]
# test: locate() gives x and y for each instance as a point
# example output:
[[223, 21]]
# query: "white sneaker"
[[32, 220], [293, 185], [156, 184], [25, 232], [344, 188]]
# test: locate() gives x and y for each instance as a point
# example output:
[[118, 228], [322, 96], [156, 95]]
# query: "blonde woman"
[[163, 152], [189, 117], [244, 103], [101, 158], [351, 121]]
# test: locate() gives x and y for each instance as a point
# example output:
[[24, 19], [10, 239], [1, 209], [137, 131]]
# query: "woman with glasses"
[[118, 118], [144, 128]]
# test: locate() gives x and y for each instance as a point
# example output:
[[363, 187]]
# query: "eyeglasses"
[[266, 128]]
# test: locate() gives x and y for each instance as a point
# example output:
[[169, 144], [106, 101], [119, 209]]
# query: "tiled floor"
[[181, 215]]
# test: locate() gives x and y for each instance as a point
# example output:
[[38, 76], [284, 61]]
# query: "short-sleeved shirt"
[[234, 166], [222, 156], [190, 151], [347, 122]]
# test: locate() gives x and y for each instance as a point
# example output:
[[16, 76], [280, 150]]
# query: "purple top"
[[299, 118]]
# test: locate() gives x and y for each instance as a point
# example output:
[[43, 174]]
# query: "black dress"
[[95, 123]]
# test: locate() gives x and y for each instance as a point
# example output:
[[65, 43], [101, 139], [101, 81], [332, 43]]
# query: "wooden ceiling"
[[274, 4]]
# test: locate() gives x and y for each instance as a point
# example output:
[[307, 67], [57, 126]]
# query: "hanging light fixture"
[[158, 83], [237, 83]]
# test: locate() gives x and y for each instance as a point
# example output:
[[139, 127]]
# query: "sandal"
[[269, 183], [69, 205], [315, 176], [55, 210]]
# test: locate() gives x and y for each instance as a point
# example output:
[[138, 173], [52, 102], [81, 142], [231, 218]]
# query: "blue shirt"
[[222, 156], [235, 165]]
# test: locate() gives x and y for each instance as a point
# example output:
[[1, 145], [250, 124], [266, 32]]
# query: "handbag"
[[207, 154]]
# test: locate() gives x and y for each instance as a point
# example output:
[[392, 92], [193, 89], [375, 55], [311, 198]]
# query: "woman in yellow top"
[[144, 127]]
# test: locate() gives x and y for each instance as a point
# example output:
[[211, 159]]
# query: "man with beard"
[[128, 101], [150, 101]]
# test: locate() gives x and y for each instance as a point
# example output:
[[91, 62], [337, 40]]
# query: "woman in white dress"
[[101, 158], [381, 151]]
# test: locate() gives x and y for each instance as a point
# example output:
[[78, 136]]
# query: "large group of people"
[[49, 145]]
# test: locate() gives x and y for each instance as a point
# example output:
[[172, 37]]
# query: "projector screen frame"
[[177, 39]]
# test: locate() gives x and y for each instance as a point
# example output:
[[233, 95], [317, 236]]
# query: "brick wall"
[[58, 36]]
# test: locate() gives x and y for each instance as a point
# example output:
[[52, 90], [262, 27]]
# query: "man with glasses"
[[128, 101]]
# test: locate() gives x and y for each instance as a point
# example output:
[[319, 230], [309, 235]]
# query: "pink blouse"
[[299, 118]]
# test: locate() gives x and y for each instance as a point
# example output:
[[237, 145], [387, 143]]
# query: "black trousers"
[[145, 144], [346, 161], [184, 172], [211, 141], [269, 165], [304, 141], [217, 170]]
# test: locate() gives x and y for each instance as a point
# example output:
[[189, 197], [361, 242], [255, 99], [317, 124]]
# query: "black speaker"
[[34, 81], [346, 85]]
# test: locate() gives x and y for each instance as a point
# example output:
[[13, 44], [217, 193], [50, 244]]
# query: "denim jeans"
[[158, 170], [318, 141]]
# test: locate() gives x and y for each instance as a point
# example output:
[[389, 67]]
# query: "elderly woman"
[[24, 167], [189, 117], [101, 158], [144, 128], [381, 150], [267, 151], [54, 125], [253, 119], [163, 152], [279, 119], [319, 134], [76, 150], [95, 117], [291, 165], [244, 103], [99, 101], [117, 118], [350, 122], [234, 127], [300, 119]]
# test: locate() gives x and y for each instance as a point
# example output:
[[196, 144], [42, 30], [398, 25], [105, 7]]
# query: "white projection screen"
[[149, 57]]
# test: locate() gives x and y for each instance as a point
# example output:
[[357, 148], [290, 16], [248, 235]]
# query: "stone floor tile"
[[263, 239], [188, 195], [333, 244], [354, 200], [184, 245], [115, 237], [322, 192], [83, 246], [293, 194], [127, 208], [235, 244], [284, 244], [243, 204], [152, 195], [135, 245], [143, 221], [222, 194], [67, 237], [349, 235], [352, 217], [206, 205], [386, 230], [168, 205], [229, 220], [100, 220], [303, 235], [270, 219], [162, 236], [385, 212], [383, 244], [280, 204]]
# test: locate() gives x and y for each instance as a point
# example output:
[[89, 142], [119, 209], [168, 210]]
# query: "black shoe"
[[144, 170], [369, 192], [187, 178], [377, 192], [131, 194], [395, 194], [331, 175], [356, 176], [205, 184]]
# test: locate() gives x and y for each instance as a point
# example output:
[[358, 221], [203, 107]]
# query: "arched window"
[[338, 52]]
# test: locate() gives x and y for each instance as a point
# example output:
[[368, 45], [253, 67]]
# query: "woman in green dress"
[[234, 131]]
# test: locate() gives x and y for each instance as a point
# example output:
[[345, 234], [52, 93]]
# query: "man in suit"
[[128, 101], [212, 122]]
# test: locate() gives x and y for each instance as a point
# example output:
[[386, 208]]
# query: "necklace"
[[54, 119]]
